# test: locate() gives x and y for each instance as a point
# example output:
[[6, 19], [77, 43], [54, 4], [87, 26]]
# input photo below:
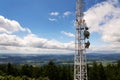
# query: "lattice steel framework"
[[80, 67]]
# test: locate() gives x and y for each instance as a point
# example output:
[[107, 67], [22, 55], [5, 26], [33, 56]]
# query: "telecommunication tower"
[[81, 43]]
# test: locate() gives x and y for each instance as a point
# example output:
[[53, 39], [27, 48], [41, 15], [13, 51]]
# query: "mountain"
[[37, 59]]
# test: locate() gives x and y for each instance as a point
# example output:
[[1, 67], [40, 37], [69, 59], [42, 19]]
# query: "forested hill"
[[36, 59], [51, 71]]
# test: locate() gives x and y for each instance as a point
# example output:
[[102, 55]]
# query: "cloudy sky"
[[47, 26]]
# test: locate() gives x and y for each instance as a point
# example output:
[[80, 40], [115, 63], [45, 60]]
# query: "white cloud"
[[11, 40], [54, 13], [104, 18], [113, 1], [67, 13], [32, 43], [28, 30], [52, 19], [108, 48], [29, 43], [95, 15], [31, 50], [9, 26], [68, 34]]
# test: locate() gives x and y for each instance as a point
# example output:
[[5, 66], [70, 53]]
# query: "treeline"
[[51, 71], [99, 72]]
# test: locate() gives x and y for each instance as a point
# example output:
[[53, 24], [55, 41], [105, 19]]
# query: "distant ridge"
[[38, 59]]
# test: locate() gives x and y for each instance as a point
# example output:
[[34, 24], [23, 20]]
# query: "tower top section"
[[79, 8]]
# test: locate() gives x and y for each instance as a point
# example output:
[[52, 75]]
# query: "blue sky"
[[34, 14], [47, 26]]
